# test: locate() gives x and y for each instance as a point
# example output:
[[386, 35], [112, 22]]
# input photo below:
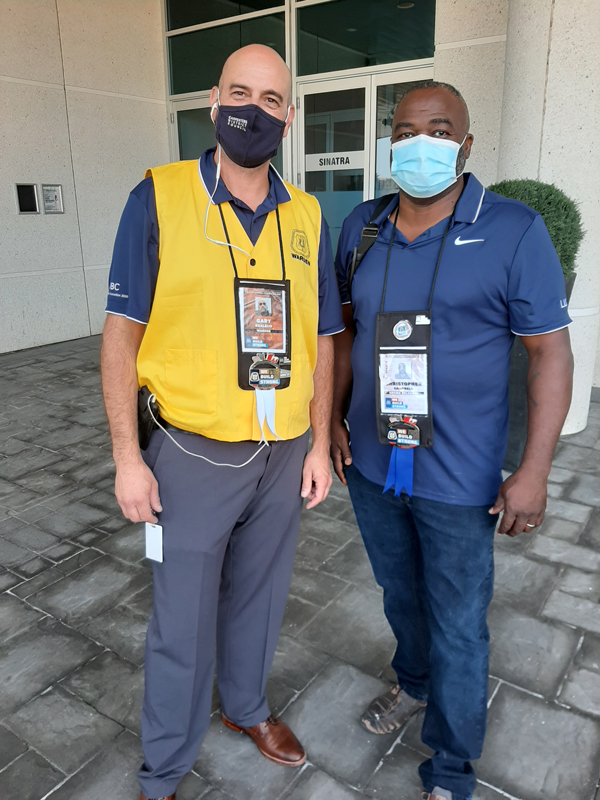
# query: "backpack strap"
[[367, 239]]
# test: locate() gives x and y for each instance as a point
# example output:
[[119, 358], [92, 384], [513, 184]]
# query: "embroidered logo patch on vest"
[[300, 248]]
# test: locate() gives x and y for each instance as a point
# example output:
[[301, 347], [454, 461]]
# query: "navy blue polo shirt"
[[499, 276], [134, 267]]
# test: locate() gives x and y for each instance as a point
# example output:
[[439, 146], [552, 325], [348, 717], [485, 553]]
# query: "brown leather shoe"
[[274, 740], [170, 797]]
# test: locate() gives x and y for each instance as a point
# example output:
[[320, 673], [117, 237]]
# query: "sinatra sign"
[[318, 162]]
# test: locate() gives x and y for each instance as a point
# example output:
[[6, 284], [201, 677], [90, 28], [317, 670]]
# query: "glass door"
[[344, 133], [332, 146], [386, 97], [194, 131]]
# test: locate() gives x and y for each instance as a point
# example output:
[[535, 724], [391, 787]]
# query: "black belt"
[[173, 428]]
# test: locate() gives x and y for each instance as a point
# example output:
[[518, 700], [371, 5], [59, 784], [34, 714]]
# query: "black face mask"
[[248, 135]]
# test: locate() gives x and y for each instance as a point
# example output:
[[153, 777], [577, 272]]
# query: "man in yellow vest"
[[203, 248]]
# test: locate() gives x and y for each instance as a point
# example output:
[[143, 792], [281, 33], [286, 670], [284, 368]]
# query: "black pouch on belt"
[[146, 425]]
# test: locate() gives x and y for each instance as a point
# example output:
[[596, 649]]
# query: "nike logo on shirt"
[[467, 241]]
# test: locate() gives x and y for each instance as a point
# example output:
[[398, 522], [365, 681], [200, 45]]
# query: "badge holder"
[[263, 326], [403, 378], [403, 368], [263, 322], [264, 335]]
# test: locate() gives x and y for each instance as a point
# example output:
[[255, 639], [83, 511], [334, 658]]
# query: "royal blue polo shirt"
[[134, 267], [499, 276]]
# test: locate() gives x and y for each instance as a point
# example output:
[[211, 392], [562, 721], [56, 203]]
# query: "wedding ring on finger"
[[530, 524]]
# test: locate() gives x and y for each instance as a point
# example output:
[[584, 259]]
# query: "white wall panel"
[[113, 46], [29, 42], [524, 88], [114, 140], [458, 20], [96, 281], [569, 158], [34, 148], [41, 308], [108, 46], [478, 73], [584, 335], [596, 380], [570, 152]]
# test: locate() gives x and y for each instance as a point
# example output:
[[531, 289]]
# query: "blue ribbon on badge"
[[400, 471]]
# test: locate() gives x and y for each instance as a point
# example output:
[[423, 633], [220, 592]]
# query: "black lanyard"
[[231, 248], [437, 266]]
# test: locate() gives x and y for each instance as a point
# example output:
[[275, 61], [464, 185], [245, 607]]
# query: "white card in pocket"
[[154, 542]]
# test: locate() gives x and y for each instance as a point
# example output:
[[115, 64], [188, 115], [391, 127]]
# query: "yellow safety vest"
[[188, 356]]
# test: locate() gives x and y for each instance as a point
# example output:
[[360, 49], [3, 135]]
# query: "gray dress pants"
[[229, 539]]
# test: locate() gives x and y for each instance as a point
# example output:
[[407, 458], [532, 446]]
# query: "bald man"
[[439, 277], [230, 395]]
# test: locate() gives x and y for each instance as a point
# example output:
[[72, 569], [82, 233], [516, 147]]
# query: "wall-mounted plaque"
[[52, 198], [27, 198]]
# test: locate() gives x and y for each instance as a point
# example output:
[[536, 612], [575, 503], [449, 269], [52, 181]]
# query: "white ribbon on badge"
[[265, 410]]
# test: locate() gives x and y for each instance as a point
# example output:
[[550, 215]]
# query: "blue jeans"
[[435, 564]]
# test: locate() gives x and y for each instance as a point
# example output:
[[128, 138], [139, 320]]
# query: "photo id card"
[[154, 542], [263, 318], [403, 383]]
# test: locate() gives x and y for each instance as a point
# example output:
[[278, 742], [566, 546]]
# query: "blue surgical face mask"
[[424, 166]]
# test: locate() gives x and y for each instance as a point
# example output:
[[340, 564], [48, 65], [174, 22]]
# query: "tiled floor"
[[75, 595]]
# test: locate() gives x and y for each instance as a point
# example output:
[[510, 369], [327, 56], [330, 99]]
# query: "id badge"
[[154, 542], [403, 379], [263, 320]]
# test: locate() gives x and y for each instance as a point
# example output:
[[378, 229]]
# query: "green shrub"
[[559, 212]]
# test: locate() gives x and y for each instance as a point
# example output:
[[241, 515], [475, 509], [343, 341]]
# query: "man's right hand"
[[136, 491], [340, 449]]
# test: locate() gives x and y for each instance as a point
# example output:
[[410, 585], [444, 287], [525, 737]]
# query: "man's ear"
[[290, 119], [214, 100], [468, 144]]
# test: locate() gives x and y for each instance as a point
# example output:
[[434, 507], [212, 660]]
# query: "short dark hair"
[[431, 84]]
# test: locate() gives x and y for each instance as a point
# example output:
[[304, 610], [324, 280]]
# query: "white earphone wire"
[[215, 105], [210, 203], [152, 398]]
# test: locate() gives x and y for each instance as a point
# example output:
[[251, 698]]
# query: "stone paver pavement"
[[75, 595]]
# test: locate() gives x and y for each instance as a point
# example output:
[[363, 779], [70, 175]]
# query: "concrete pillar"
[[550, 132], [470, 39]]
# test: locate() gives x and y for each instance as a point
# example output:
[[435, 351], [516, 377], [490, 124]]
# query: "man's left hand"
[[316, 477], [522, 497]]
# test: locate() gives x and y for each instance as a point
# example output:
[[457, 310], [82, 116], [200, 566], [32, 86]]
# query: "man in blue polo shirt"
[[450, 273]]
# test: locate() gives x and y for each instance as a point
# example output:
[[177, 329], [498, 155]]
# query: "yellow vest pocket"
[[191, 383]]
